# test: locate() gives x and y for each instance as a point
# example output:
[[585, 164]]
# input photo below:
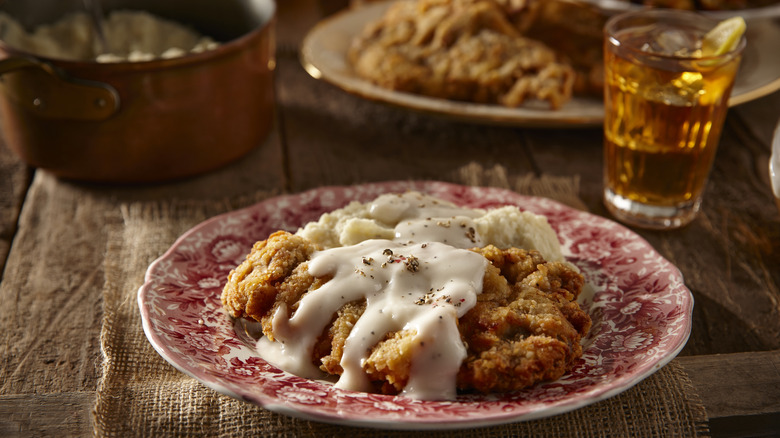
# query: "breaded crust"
[[525, 328], [469, 50]]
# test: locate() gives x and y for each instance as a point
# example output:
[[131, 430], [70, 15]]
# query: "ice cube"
[[672, 42]]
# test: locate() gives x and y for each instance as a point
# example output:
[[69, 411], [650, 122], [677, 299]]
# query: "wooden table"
[[52, 242]]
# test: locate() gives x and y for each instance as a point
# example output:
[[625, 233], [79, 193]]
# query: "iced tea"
[[664, 110]]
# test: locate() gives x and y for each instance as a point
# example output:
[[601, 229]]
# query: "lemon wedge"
[[724, 37]]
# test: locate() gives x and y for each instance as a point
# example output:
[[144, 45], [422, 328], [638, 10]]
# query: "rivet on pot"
[[100, 102], [39, 104]]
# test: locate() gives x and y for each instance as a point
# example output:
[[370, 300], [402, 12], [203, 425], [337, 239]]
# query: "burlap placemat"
[[140, 394]]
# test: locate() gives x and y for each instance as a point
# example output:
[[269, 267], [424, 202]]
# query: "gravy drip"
[[422, 287]]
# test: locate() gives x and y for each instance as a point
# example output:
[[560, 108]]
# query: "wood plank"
[[51, 313], [336, 138], [565, 152], [754, 426], [760, 117], [56, 414], [14, 183], [261, 169], [738, 384], [740, 391]]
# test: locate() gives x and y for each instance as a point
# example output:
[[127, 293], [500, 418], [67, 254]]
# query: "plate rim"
[[594, 394]]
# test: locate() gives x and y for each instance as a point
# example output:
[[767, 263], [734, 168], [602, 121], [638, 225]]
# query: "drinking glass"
[[664, 111]]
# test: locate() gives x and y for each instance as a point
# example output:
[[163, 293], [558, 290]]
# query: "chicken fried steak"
[[522, 327], [469, 50]]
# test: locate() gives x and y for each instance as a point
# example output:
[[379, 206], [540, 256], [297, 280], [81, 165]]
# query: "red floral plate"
[[640, 307]]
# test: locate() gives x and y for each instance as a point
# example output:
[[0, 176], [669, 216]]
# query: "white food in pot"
[[130, 36]]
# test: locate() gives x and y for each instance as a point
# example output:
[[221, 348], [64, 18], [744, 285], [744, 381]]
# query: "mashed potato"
[[130, 36], [402, 217]]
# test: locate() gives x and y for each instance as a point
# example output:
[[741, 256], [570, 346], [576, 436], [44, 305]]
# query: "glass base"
[[650, 216]]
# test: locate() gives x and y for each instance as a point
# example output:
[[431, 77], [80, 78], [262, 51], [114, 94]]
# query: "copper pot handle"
[[55, 94]]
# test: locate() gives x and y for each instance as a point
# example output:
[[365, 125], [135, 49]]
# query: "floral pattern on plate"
[[639, 304]]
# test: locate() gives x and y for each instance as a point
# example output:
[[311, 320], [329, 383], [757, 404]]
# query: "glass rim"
[[669, 13]]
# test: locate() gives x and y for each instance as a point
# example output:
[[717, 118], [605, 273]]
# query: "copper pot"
[[142, 121]]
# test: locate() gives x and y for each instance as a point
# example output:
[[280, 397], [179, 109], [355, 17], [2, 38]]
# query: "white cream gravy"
[[424, 218], [422, 280]]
